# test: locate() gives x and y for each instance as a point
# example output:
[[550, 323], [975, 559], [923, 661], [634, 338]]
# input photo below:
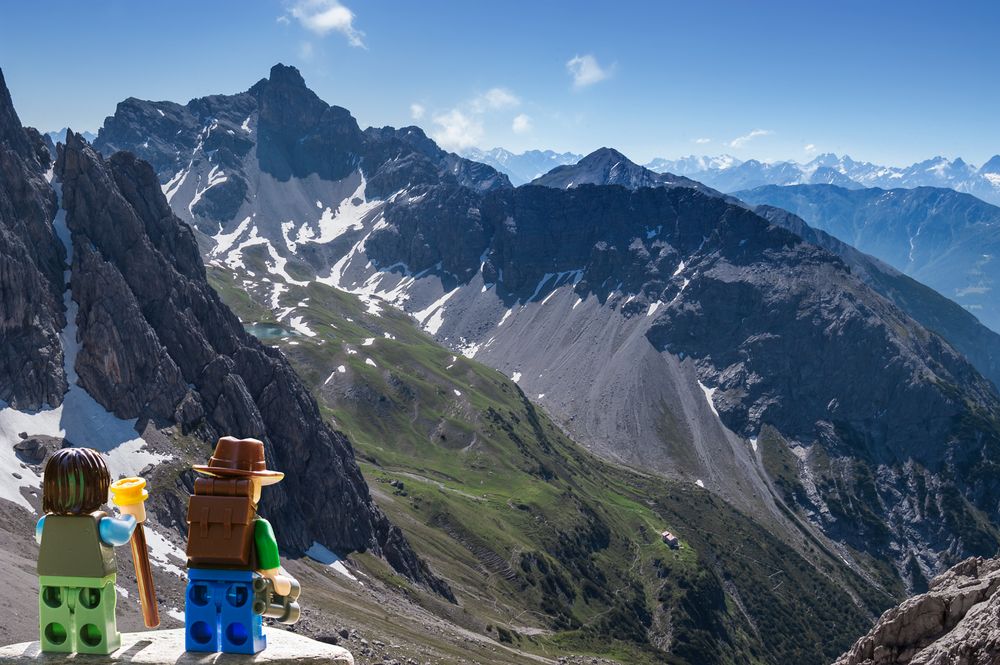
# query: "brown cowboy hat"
[[239, 458]]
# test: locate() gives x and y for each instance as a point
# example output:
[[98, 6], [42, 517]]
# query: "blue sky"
[[892, 82]]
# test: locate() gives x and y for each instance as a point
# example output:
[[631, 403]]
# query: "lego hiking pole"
[[266, 602], [130, 495]]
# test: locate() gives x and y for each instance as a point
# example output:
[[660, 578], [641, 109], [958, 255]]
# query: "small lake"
[[266, 331]]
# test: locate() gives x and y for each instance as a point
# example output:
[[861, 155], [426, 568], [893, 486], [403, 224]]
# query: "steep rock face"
[[956, 621], [932, 310], [31, 269], [945, 239], [156, 343], [299, 134]]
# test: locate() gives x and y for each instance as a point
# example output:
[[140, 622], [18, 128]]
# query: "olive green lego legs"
[[77, 615]]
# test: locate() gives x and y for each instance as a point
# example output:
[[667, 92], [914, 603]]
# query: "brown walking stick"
[[130, 495]]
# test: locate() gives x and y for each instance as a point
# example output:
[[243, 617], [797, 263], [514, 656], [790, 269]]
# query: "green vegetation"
[[546, 547]]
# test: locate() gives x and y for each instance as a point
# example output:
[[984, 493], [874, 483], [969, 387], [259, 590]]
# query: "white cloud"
[[702, 141], [741, 141], [324, 16], [521, 124], [283, 20], [457, 130], [495, 98], [810, 148], [586, 71], [417, 111]]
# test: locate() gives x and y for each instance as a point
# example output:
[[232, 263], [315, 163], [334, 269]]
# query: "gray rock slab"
[[166, 647]]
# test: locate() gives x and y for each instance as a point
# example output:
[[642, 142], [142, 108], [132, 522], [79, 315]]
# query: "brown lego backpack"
[[221, 524]]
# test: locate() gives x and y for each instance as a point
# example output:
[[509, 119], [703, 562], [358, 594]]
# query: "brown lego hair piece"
[[76, 482]]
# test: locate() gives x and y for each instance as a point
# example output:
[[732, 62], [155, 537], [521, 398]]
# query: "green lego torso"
[[72, 547]]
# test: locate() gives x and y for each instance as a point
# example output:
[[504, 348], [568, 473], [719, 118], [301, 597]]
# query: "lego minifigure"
[[76, 558], [233, 564]]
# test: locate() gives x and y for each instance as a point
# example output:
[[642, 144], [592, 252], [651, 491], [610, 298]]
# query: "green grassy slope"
[[548, 548]]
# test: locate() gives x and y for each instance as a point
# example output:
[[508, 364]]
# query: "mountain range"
[[715, 347], [729, 174], [522, 167]]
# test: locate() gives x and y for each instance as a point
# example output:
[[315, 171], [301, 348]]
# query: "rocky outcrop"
[[31, 270], [957, 622]]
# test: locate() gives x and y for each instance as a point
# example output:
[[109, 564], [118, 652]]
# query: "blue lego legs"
[[218, 612]]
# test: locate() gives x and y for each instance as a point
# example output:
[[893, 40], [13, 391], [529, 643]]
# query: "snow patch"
[[515, 377], [700, 483], [321, 554], [171, 186], [299, 325], [469, 349], [431, 317], [215, 177], [369, 361], [164, 553], [348, 216], [709, 394]]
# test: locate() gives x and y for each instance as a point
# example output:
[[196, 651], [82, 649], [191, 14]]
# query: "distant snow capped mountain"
[[523, 167], [607, 166], [729, 174], [59, 136], [693, 164]]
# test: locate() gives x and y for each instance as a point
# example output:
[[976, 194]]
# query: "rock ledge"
[[163, 647], [957, 622]]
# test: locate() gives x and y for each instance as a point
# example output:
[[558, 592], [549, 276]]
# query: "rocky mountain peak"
[[12, 134], [606, 155], [607, 166], [992, 166], [286, 75]]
